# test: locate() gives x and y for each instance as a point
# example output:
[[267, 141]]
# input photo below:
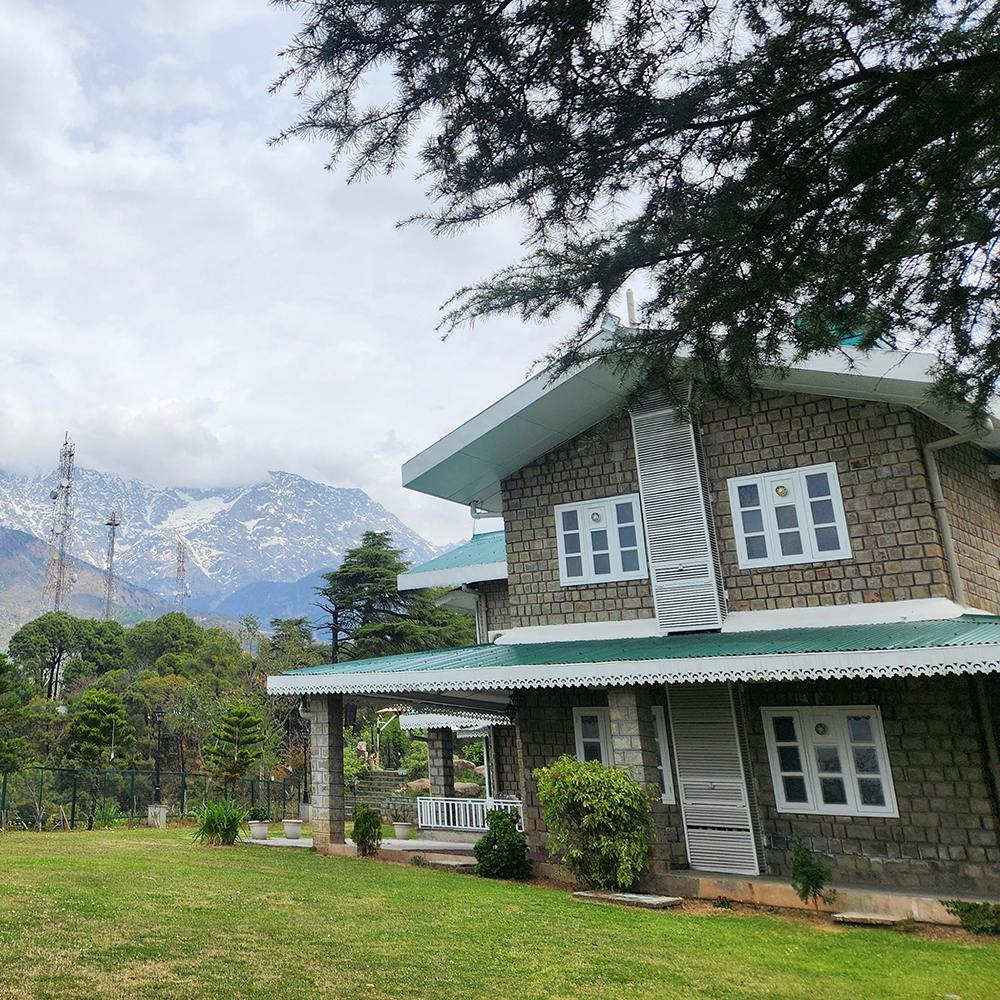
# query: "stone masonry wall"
[[946, 837], [598, 463], [896, 551], [497, 606], [503, 740], [441, 762]]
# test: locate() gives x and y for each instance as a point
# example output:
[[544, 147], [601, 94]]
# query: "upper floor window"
[[600, 541], [795, 516]]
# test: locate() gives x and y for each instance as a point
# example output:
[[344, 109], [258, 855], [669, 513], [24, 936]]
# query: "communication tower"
[[59, 577], [109, 581]]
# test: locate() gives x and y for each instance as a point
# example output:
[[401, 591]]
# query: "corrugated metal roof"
[[483, 549], [968, 630]]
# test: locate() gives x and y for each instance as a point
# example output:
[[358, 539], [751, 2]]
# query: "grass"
[[149, 914]]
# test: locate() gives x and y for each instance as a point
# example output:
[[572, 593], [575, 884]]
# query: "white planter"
[[402, 830], [293, 829], [156, 817], [258, 829]]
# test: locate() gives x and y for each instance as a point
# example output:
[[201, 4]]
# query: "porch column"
[[633, 738], [326, 713], [441, 762]]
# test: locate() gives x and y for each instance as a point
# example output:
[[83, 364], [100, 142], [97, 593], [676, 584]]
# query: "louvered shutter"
[[683, 566], [711, 782]]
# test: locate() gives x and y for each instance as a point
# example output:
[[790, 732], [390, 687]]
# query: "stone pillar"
[[441, 762], [633, 738], [326, 715]]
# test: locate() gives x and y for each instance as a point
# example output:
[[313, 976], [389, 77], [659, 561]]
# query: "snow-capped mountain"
[[281, 529]]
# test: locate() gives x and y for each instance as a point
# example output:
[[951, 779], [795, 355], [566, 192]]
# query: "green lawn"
[[149, 914]]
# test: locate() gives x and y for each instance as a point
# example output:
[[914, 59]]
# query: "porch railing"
[[462, 814]]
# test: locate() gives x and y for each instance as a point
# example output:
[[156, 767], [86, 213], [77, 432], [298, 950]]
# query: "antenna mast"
[[180, 589], [58, 577], [109, 581]]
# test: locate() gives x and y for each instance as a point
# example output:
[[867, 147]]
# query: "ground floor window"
[[593, 734], [663, 749], [830, 760]]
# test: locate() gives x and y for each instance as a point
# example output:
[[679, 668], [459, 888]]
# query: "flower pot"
[[293, 829], [402, 830], [258, 829]]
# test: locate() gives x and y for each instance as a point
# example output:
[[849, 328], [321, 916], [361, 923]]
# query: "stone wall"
[[503, 742], [496, 606], [599, 463], [441, 762], [946, 837]]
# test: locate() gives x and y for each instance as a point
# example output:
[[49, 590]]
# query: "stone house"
[[781, 614]]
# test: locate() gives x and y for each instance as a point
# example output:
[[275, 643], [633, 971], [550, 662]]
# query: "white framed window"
[[829, 760], [663, 748], [593, 734], [600, 541], [794, 516]]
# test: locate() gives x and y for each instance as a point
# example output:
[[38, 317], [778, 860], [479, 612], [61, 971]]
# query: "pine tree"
[[235, 744]]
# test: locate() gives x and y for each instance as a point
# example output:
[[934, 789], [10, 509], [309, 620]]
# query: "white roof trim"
[[922, 662], [462, 724], [453, 577]]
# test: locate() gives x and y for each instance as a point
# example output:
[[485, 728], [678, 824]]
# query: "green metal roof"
[[968, 630], [488, 547]]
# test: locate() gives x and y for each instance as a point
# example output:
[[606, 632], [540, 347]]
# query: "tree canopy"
[[774, 176]]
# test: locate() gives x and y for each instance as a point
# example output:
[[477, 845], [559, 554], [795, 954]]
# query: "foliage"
[[598, 820], [108, 814], [414, 761], [503, 851], [367, 831], [722, 903], [976, 918], [235, 744], [809, 876], [43, 646], [98, 730], [473, 751], [219, 823], [353, 764], [15, 751], [777, 174], [258, 814]]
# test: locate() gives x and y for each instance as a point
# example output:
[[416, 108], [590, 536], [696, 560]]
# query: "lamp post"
[[158, 716]]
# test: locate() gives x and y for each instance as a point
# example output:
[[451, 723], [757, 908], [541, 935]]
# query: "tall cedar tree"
[[235, 744], [775, 175]]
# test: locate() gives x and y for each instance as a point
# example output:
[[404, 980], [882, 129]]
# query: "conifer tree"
[[235, 745]]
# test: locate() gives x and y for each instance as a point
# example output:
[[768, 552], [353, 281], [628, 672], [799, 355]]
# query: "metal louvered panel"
[[711, 783], [675, 515]]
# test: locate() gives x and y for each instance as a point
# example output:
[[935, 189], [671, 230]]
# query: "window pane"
[[834, 792], [827, 539], [786, 516], [818, 484], [574, 566], [624, 513], [592, 751], [753, 521], [749, 495], [602, 563], [872, 793], [822, 511], [791, 543], [828, 760], [756, 547], [795, 789], [599, 541], [590, 728], [570, 520], [860, 728], [784, 728], [866, 760], [789, 759], [571, 542], [630, 561], [626, 537]]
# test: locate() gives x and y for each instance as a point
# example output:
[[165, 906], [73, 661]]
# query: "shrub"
[[108, 814], [367, 833], [503, 852], [976, 918], [219, 823], [809, 876], [258, 814], [414, 761], [598, 820]]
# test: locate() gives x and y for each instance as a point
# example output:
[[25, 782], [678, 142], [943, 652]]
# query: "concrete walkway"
[[416, 845]]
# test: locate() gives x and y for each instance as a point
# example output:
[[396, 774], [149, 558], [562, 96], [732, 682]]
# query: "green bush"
[[976, 918], [598, 820], [107, 814], [367, 833], [473, 751], [503, 851], [258, 814], [809, 876], [219, 823], [414, 761]]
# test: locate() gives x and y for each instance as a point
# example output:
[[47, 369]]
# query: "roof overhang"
[[468, 464], [453, 577]]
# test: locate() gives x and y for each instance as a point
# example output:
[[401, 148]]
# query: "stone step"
[[642, 900], [867, 919]]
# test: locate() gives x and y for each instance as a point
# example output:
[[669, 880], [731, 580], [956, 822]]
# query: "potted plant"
[[293, 828], [257, 821], [401, 826]]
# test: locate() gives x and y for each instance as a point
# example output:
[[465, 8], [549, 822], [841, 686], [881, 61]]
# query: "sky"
[[196, 307]]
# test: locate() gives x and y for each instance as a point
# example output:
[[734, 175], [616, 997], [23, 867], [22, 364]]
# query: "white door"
[[711, 783]]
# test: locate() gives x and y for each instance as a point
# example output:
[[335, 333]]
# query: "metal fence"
[[45, 798]]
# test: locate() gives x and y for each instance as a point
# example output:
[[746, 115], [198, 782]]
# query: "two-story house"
[[783, 614]]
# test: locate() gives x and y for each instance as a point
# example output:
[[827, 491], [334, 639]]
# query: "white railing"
[[462, 814]]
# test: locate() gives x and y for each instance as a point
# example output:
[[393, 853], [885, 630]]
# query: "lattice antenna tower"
[[112, 523], [181, 587], [59, 577]]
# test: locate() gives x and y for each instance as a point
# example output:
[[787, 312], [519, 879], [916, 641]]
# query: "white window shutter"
[[680, 535]]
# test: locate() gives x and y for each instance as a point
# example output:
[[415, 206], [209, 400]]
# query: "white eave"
[[455, 576]]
